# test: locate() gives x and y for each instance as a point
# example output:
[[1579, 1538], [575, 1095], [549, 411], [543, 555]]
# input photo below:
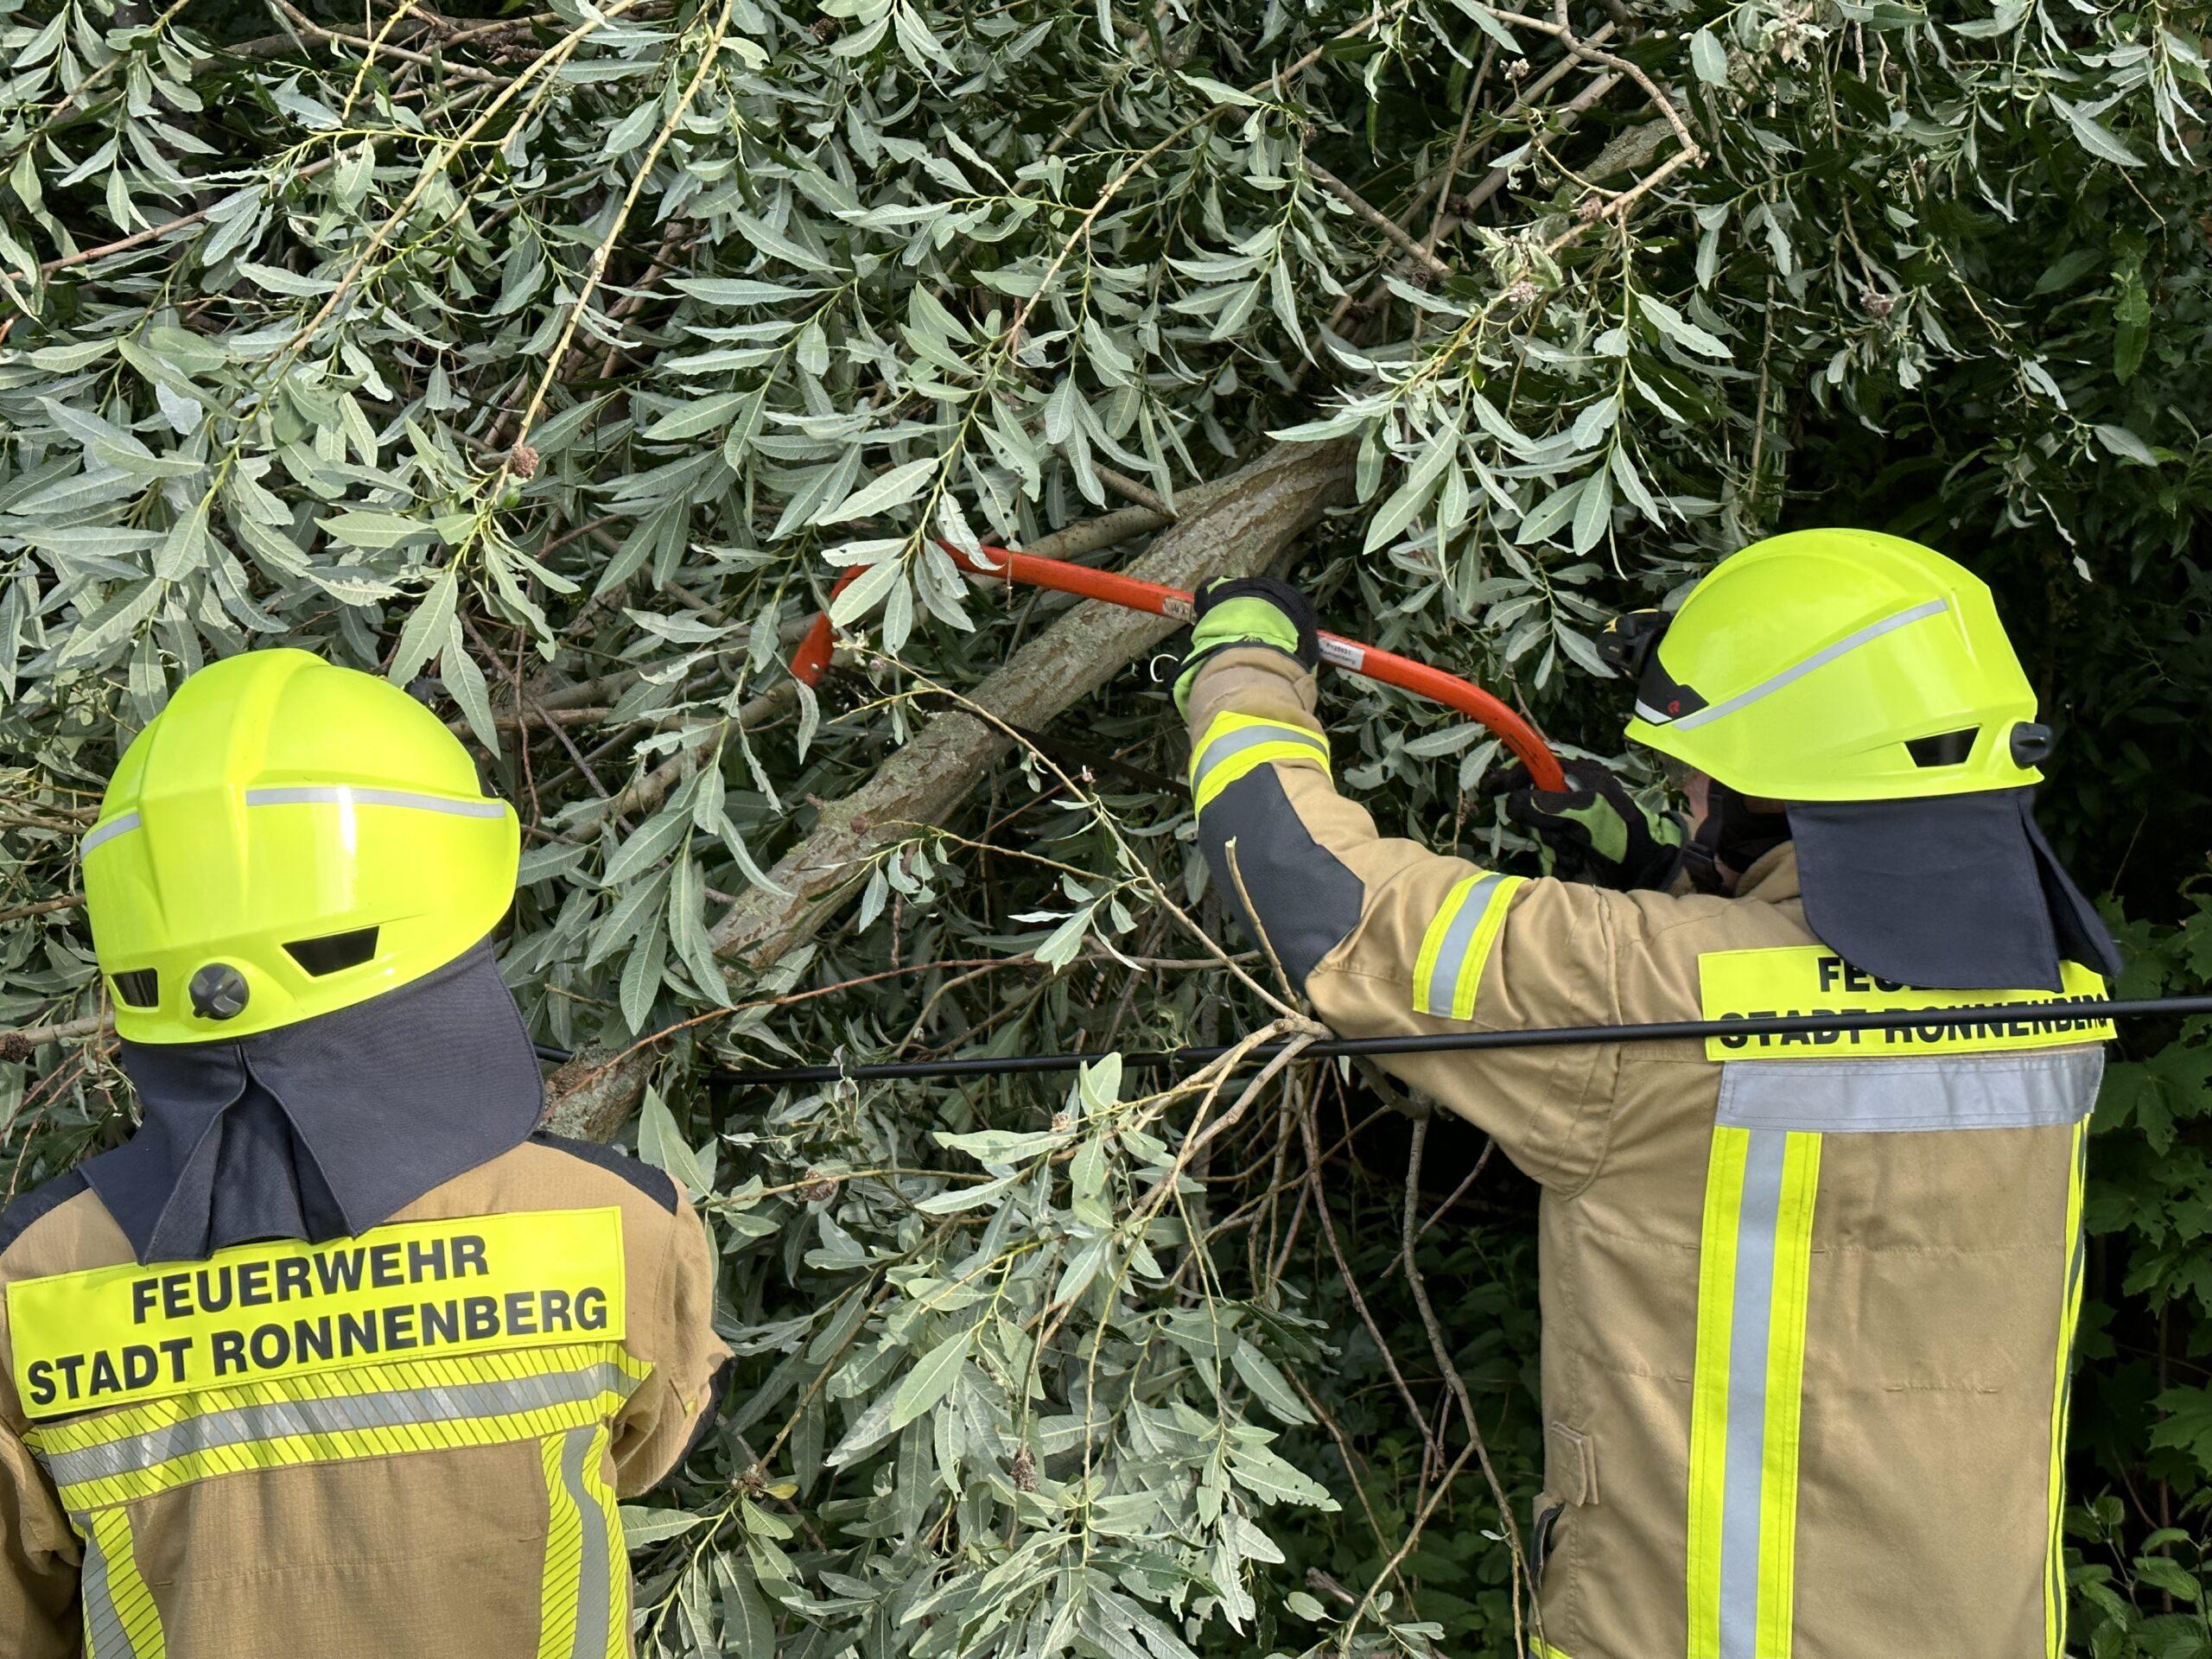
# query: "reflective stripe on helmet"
[[314, 794], [108, 831], [355, 795], [1797, 671]]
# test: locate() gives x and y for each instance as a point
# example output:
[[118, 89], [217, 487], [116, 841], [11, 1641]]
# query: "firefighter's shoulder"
[[27, 1211], [590, 1164]]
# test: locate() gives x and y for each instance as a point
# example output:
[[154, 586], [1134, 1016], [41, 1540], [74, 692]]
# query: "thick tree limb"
[[1236, 527], [1236, 530]]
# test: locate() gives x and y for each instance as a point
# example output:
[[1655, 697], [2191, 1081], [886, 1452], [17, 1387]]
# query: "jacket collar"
[[1772, 878]]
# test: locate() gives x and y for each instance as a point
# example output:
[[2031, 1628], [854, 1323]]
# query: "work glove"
[[1595, 831], [1247, 611]]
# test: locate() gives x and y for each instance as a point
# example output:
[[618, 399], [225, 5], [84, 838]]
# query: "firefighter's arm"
[[38, 1561], [674, 1406], [1388, 938]]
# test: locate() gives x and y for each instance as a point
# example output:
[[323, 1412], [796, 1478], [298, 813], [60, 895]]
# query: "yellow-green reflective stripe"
[[310, 1420], [1235, 744], [1785, 1392], [424, 1408], [446, 1372], [1448, 972], [346, 1446], [48, 1439], [1753, 1285], [613, 1580], [121, 1621], [2054, 1583], [565, 1550], [1716, 1279], [585, 1589]]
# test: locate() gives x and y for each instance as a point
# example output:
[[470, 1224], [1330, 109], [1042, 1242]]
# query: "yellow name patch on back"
[[420, 1289], [1811, 979]]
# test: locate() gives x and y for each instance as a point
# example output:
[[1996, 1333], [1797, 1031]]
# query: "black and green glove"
[[1595, 831], [1247, 611]]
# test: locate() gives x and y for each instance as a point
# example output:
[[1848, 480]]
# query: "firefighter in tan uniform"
[[1807, 1302], [337, 1356]]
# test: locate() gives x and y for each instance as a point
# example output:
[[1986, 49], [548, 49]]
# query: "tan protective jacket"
[[1807, 1304], [405, 1444]]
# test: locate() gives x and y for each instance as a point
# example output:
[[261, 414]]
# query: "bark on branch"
[[1236, 527], [1237, 530]]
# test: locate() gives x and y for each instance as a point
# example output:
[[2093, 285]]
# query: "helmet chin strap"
[[1729, 839]]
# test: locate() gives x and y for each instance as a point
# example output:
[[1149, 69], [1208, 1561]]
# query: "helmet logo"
[[218, 991]]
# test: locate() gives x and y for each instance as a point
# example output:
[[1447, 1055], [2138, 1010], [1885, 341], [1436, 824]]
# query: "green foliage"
[[554, 362], [2142, 1405], [2149, 1601]]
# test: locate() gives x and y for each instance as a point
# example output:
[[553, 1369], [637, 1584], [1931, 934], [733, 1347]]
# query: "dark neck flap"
[[325, 1129], [1961, 893]]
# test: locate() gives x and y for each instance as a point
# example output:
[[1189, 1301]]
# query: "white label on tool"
[[1342, 654]]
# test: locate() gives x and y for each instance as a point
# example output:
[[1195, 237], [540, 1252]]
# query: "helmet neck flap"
[[323, 1129]]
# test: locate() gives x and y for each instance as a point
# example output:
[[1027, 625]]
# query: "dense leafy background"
[[554, 361]]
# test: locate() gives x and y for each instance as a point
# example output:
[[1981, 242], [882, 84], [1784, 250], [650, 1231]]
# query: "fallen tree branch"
[[42, 906], [376, 49], [1237, 530], [1236, 527], [1381, 221], [18, 1045]]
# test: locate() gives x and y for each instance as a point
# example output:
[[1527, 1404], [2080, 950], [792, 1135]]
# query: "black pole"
[[1788, 1024]]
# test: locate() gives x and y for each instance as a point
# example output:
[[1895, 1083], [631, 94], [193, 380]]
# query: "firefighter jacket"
[[1807, 1304], [406, 1442]]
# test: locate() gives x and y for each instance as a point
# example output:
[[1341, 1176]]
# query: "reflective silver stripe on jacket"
[[397, 1407], [1955, 1091], [595, 1589], [104, 1636], [1443, 988], [1246, 737]]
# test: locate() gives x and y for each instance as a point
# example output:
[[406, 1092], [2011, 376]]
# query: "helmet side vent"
[[333, 951], [141, 987], [1944, 749]]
